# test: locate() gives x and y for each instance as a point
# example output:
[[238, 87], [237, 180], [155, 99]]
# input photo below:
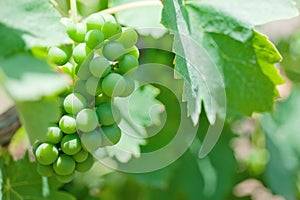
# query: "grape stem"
[[73, 10], [130, 6], [56, 5]]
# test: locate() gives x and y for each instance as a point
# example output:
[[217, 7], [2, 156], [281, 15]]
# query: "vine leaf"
[[20, 181], [33, 85], [145, 19], [29, 79], [253, 12], [282, 143], [27, 22], [37, 115], [243, 57]]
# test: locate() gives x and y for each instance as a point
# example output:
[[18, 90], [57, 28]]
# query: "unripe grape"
[[128, 37], [108, 18], [108, 114], [99, 67], [68, 68], [130, 86], [58, 55], [46, 153], [74, 103], [112, 135], [127, 63], [71, 29], [133, 51], [80, 33], [45, 170], [64, 165], [67, 124], [102, 98], [87, 120], [93, 86], [54, 135], [113, 50], [94, 21], [79, 87], [111, 30], [65, 178], [91, 141], [81, 155], [93, 38], [80, 52], [113, 85], [70, 144], [35, 145], [85, 165]]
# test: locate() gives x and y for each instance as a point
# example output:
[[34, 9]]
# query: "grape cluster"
[[99, 62]]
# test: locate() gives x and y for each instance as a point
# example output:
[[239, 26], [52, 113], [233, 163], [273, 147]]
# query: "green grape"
[[64, 165], [70, 144], [35, 145], [93, 38], [113, 85], [80, 33], [74, 103], [58, 55], [82, 70], [113, 50], [45, 170], [102, 98], [46, 153], [54, 135], [65, 178], [67, 124], [108, 18], [81, 155], [127, 63], [91, 141], [128, 37], [93, 86], [80, 52], [68, 69], [79, 87], [111, 30], [87, 120], [130, 86], [133, 51], [99, 67], [85, 165], [112, 135], [71, 29], [108, 114], [94, 21]]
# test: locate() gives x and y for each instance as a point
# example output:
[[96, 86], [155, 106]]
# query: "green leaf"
[[146, 19], [11, 40], [283, 142], [144, 108], [37, 115], [34, 22], [20, 180], [202, 82], [289, 48], [193, 178], [29, 79], [253, 12], [244, 58]]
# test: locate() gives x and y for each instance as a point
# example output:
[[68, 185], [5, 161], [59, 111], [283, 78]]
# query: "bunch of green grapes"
[[101, 63]]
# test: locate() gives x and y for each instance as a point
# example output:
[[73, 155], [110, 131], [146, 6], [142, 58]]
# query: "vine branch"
[[73, 10], [136, 4]]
